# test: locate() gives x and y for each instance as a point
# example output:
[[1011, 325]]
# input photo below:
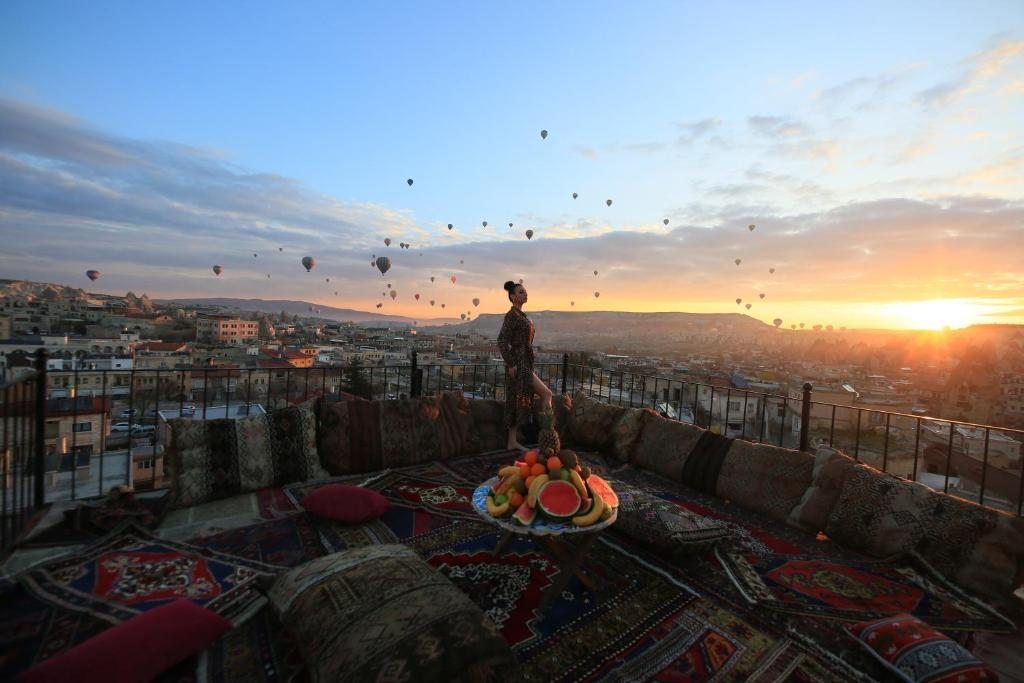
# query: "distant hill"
[[300, 308]]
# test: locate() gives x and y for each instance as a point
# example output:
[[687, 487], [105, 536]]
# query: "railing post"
[[805, 416], [414, 379], [39, 466], [565, 369]]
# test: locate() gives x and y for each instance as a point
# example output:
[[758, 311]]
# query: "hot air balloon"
[[387, 241], [93, 275], [529, 234], [450, 226], [268, 276], [801, 326], [842, 329], [327, 279], [461, 262], [431, 278], [416, 296], [383, 264], [739, 301], [597, 295], [748, 306], [777, 322], [574, 195], [335, 293], [828, 328], [761, 295], [484, 224], [738, 261], [751, 227], [431, 302], [255, 255], [510, 225], [379, 305], [442, 305], [793, 326], [308, 262], [394, 294], [218, 270], [595, 273], [572, 303], [771, 271], [280, 248], [383, 293], [607, 202], [389, 285], [462, 315], [543, 135], [665, 221], [409, 182], [817, 328], [453, 279], [476, 301]]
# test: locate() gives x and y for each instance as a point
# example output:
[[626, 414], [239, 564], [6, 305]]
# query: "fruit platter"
[[540, 495]]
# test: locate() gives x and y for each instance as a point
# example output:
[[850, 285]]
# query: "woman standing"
[[515, 342]]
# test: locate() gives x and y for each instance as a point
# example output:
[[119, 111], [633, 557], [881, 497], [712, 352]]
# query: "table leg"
[[503, 543], [569, 564]]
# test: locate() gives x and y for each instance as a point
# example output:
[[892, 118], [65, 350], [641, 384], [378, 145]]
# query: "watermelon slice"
[[559, 499], [525, 514], [599, 487]]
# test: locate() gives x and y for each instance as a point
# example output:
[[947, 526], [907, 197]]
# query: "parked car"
[[129, 412], [143, 430], [120, 427]]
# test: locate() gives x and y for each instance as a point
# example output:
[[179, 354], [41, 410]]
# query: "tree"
[[355, 382]]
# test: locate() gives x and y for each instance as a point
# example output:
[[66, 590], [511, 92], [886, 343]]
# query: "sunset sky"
[[877, 147]]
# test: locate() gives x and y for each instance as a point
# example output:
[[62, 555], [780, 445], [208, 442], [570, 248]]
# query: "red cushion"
[[138, 649], [344, 503]]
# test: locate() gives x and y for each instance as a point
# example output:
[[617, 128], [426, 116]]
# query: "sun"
[[934, 314]]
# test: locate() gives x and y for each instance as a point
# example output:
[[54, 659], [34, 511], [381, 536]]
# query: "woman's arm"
[[505, 343]]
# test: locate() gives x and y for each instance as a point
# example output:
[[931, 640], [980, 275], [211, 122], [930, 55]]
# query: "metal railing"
[[115, 427]]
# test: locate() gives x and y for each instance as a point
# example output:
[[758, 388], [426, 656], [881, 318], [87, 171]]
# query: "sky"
[[876, 147]]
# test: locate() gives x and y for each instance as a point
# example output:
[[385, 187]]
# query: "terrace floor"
[[689, 617]]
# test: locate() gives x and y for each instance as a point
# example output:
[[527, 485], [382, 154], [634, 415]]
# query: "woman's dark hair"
[[510, 287]]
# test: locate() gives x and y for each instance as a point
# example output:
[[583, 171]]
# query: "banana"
[[538, 483], [607, 512], [496, 510], [595, 513], [508, 471], [577, 481], [518, 484]]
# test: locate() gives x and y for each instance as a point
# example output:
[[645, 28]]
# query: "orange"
[[524, 471], [516, 499], [538, 469], [531, 457], [554, 463], [529, 480]]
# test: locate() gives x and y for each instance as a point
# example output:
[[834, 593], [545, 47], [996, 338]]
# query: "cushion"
[[659, 523], [702, 466], [764, 478], [138, 649], [878, 514], [664, 445], [349, 437], [214, 459], [916, 652], [344, 503], [489, 433], [382, 613], [831, 467], [627, 432], [593, 423]]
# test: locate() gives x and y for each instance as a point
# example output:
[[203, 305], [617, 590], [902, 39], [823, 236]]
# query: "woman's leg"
[[513, 440], [542, 390]]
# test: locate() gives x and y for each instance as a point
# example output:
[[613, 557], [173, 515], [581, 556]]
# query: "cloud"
[[694, 131], [778, 127], [864, 92], [585, 151], [977, 69]]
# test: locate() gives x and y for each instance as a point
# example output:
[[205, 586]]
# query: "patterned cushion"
[[214, 459], [763, 478], [917, 653], [349, 439], [703, 465], [879, 514], [664, 446], [382, 613], [831, 467], [593, 423], [659, 523], [488, 432], [627, 432]]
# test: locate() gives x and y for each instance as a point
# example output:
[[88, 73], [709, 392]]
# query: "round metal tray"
[[541, 526]]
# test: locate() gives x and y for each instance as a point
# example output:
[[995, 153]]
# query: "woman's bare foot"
[[516, 446]]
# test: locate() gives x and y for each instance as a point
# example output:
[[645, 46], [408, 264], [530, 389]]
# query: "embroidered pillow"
[[344, 503], [917, 653], [664, 525]]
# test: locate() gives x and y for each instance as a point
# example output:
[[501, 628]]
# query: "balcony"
[[662, 600]]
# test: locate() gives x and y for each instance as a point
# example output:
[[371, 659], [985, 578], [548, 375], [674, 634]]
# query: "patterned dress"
[[515, 342]]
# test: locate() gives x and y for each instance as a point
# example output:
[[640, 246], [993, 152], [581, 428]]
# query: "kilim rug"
[[857, 591], [130, 571], [284, 542]]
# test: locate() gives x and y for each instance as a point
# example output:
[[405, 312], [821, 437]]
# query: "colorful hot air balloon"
[[607, 202], [93, 275], [383, 264], [777, 322], [218, 270], [453, 279], [738, 261], [529, 234], [394, 294], [543, 135], [308, 262], [476, 301], [387, 241]]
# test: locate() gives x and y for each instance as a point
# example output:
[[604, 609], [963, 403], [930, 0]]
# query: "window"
[[82, 427], [52, 430], [734, 405]]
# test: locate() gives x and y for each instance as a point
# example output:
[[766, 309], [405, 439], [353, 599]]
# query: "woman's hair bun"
[[510, 286]]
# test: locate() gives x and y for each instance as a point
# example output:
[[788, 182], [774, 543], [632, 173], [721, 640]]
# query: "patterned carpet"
[[652, 620]]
